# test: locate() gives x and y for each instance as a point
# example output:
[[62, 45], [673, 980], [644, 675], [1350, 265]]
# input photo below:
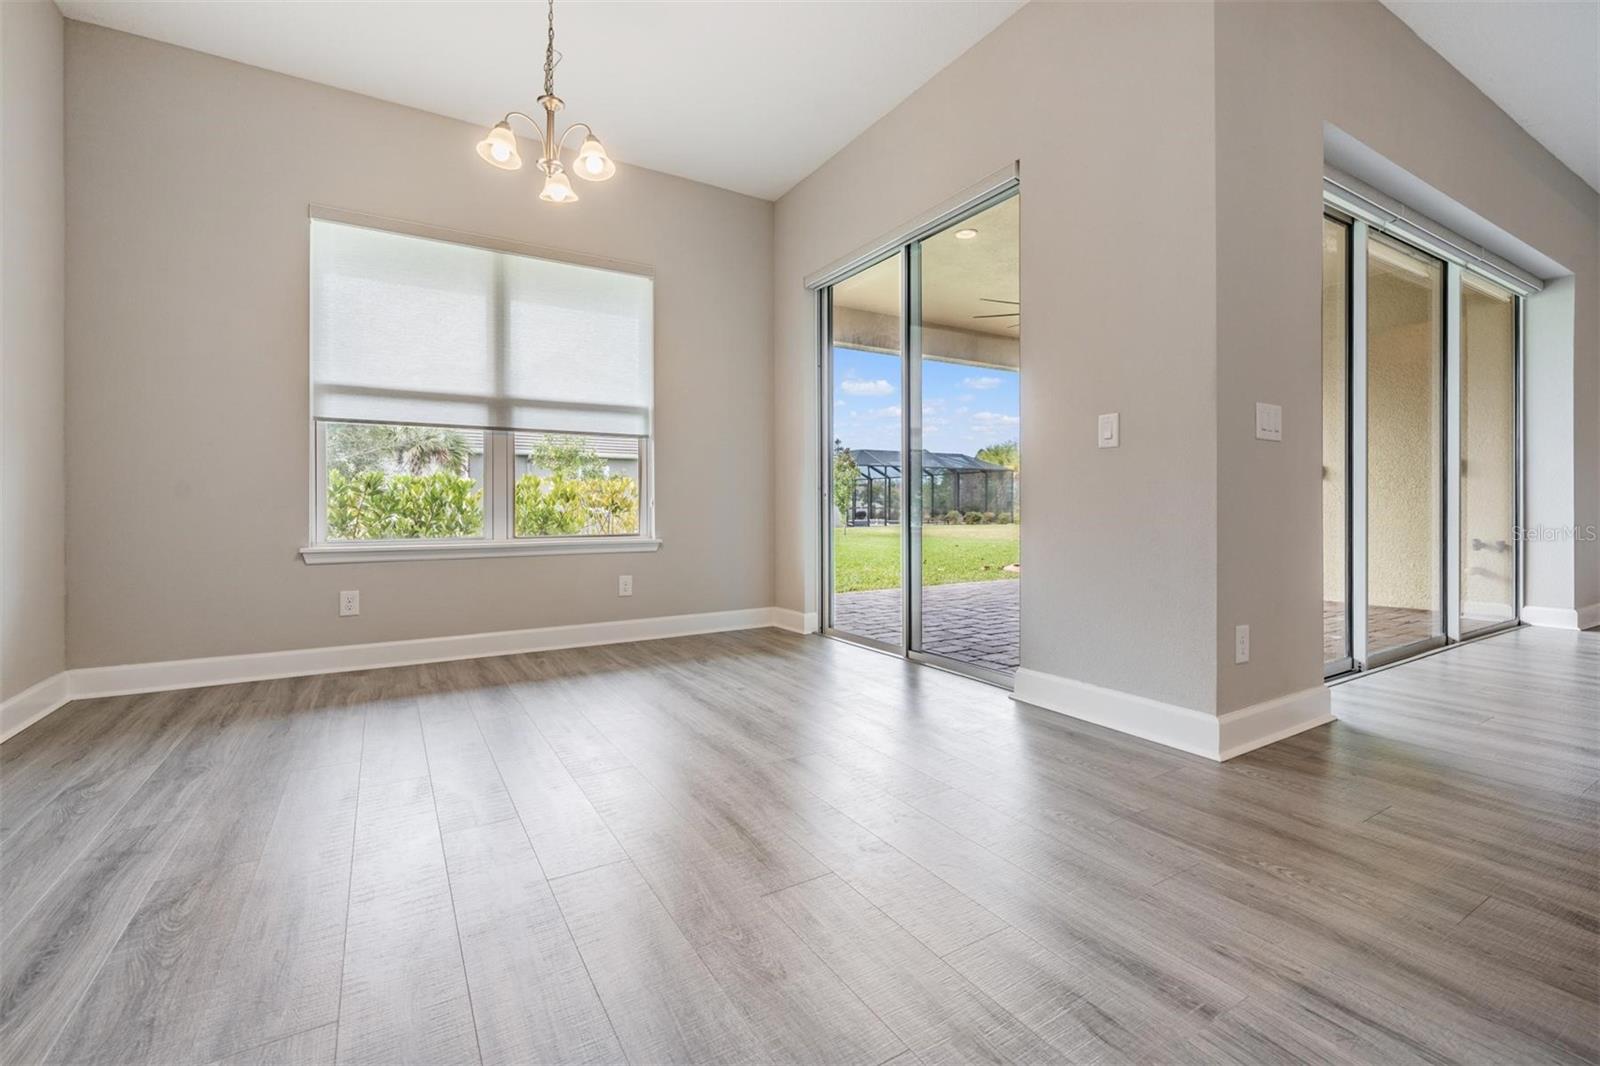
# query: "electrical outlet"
[[625, 585], [349, 603], [1241, 644]]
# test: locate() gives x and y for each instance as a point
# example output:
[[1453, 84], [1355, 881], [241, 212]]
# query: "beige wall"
[[188, 180], [1108, 108], [1282, 71], [32, 231]]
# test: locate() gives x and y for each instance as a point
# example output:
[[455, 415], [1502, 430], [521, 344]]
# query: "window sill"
[[319, 554]]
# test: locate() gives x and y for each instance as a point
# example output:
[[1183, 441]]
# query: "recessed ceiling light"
[[966, 234]]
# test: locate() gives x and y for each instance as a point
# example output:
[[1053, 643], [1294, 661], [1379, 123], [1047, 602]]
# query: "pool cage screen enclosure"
[[951, 482]]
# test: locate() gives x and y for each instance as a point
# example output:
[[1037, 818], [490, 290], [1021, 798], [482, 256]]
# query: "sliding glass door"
[[1420, 460], [967, 413], [1488, 451], [865, 564], [922, 466], [1405, 450], [1336, 647]]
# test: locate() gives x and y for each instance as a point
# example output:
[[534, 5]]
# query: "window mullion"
[[497, 483]]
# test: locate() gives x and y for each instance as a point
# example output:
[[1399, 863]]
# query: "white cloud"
[[982, 383], [994, 419], [892, 411], [862, 387]]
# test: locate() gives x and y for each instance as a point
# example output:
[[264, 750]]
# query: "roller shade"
[[412, 329]]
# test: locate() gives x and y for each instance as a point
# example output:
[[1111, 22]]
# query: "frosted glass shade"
[[592, 163], [558, 190], [499, 148]]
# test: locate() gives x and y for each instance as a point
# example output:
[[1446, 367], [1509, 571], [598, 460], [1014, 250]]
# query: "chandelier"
[[499, 147]]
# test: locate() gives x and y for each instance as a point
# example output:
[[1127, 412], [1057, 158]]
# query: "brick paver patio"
[[975, 622]]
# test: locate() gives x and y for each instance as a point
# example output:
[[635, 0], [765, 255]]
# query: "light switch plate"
[[1269, 421], [1110, 431]]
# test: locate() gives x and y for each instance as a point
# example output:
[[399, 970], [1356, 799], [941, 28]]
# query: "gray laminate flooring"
[[758, 847]]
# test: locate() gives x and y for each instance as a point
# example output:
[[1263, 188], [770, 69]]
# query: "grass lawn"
[[868, 557]]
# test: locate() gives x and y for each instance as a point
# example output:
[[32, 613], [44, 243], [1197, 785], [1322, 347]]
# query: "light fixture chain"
[[499, 148], [550, 53]]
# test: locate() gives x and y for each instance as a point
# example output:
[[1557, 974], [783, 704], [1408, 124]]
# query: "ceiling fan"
[[1004, 314]]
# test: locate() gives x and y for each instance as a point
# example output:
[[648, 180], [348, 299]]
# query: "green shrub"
[[373, 505], [562, 506], [972, 518], [1003, 518], [952, 517], [988, 518]]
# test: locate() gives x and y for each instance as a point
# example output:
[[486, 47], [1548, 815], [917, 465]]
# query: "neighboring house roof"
[[604, 447], [888, 462]]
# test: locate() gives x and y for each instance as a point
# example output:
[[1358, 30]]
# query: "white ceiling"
[[1538, 60], [751, 96]]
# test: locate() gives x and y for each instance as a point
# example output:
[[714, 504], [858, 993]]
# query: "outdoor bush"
[[373, 505], [1003, 517], [972, 518], [952, 517], [988, 518], [562, 506]]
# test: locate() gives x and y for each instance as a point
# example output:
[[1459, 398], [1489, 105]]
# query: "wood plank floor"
[[757, 847]]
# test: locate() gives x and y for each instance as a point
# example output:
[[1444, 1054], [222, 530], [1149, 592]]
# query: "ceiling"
[[1539, 60], [961, 279], [749, 96]]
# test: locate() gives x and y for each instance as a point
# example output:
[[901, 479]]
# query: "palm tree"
[[1004, 454], [424, 449]]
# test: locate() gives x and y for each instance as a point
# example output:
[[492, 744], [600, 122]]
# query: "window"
[[473, 401]]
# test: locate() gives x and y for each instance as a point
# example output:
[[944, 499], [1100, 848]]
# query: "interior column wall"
[[32, 309]]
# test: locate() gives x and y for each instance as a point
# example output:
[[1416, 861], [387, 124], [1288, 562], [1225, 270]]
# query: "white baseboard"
[[1178, 727], [32, 704], [1197, 732], [794, 621], [1261, 724], [28, 707], [1563, 617]]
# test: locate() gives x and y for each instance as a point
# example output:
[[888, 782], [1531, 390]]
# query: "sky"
[[964, 408]]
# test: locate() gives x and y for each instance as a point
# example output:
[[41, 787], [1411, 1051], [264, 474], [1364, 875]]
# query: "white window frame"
[[498, 538]]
